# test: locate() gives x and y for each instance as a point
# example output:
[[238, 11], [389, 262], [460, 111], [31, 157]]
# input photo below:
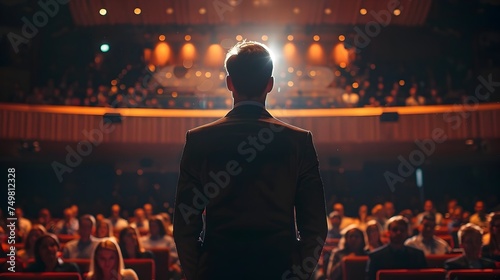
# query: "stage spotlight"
[[104, 48]]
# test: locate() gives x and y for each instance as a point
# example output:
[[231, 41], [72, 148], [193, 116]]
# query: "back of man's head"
[[249, 64]]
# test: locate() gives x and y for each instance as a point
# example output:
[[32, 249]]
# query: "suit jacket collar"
[[248, 111]]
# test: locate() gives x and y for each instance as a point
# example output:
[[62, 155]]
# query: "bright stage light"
[[104, 48]]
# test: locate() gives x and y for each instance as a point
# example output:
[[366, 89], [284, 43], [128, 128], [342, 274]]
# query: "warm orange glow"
[[168, 75], [296, 10], [290, 38], [363, 11], [239, 37], [103, 12], [147, 55], [290, 83], [340, 54], [355, 85], [264, 38], [202, 11], [169, 11], [161, 37], [174, 94], [215, 56], [316, 54], [188, 52], [159, 91], [397, 12], [328, 11], [161, 54], [187, 38], [401, 82], [187, 64], [137, 11], [337, 73], [198, 74], [208, 75], [290, 69], [290, 54], [114, 82], [342, 65], [151, 67], [316, 38], [341, 38]]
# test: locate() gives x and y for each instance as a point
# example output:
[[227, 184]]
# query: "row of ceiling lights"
[[203, 11], [264, 38]]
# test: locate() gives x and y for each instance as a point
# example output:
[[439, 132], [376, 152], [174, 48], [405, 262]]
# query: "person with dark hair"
[[244, 159], [492, 249], [354, 245], [158, 238], [373, 235], [395, 255], [104, 229], [131, 245], [469, 236], [46, 260], [426, 240], [82, 248], [480, 217], [28, 252], [106, 263]]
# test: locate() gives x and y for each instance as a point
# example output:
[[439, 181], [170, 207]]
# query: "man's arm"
[[187, 215], [310, 205]]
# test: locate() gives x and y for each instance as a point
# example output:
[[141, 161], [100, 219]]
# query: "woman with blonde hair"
[[107, 263], [28, 252]]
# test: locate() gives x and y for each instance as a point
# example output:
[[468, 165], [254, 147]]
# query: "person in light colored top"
[[346, 221], [429, 208], [480, 218], [158, 238], [24, 224], [118, 222], [82, 247], [426, 240], [107, 263], [28, 252], [68, 225], [140, 222]]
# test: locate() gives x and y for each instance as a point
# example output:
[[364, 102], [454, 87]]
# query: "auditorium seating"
[[145, 268], [162, 258], [41, 276], [473, 274], [411, 274], [65, 238], [437, 261], [354, 267]]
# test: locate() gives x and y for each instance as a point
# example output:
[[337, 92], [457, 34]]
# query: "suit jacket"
[[249, 171], [386, 257], [461, 262]]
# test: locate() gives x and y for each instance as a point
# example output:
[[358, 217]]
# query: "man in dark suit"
[[254, 177], [395, 255], [470, 238]]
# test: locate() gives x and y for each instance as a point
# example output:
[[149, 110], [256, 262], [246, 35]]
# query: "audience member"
[[426, 240], [429, 209], [131, 245], [378, 215], [450, 206], [354, 245], [104, 229], [46, 256], [479, 218], [335, 222], [140, 222], [158, 238], [82, 248], [46, 220], [345, 221], [28, 252], [23, 224], [363, 217], [118, 222], [389, 209], [469, 236], [373, 233], [68, 225], [492, 248], [395, 255], [107, 263], [414, 99]]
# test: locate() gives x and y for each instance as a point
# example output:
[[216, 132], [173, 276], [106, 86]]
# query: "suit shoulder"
[[414, 250], [378, 252]]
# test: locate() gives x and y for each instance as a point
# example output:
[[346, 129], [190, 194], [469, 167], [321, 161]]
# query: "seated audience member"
[[456, 221], [378, 215], [23, 224], [395, 255], [158, 238], [148, 210], [335, 221], [345, 221], [82, 248], [426, 240], [104, 229], [414, 99], [28, 252], [492, 248], [167, 221], [46, 256], [68, 225], [107, 263], [408, 214], [131, 246], [45, 219], [140, 222], [389, 209], [450, 206], [354, 245], [363, 217], [429, 208], [469, 236], [373, 233], [480, 217], [118, 222]]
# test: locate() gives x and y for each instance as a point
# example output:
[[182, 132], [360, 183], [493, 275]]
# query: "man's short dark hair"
[[429, 217], [398, 220], [249, 64]]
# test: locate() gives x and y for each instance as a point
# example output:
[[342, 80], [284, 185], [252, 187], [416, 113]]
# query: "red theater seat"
[[437, 261], [41, 276], [354, 267], [145, 268], [411, 274], [473, 274], [162, 257]]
